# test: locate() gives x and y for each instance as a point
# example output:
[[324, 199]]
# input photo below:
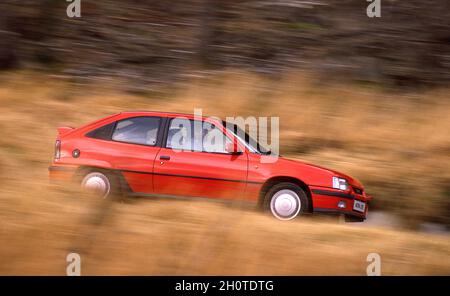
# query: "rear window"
[[137, 130], [102, 133]]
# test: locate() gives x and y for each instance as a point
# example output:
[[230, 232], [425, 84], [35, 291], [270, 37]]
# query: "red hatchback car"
[[153, 154]]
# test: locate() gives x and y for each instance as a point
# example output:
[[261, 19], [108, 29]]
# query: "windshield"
[[251, 144]]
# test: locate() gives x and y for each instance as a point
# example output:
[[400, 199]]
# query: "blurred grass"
[[396, 143], [168, 237]]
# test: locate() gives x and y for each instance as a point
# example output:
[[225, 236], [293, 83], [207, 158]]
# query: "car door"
[[196, 164]]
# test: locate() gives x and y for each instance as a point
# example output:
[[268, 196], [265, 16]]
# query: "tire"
[[286, 201], [102, 184]]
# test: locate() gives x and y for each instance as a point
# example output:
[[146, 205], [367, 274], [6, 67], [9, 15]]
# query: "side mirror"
[[232, 148]]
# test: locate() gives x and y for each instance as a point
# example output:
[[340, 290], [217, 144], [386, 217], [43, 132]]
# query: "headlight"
[[340, 183]]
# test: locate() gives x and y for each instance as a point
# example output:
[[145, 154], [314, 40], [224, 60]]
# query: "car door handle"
[[163, 157]]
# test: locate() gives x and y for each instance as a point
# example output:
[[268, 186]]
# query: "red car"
[[153, 154]]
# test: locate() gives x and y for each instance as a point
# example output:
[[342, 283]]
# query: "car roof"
[[158, 113]]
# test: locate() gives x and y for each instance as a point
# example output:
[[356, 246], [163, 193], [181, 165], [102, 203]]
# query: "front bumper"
[[327, 200]]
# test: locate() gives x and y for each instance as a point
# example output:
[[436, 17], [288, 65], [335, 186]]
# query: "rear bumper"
[[325, 200], [61, 172]]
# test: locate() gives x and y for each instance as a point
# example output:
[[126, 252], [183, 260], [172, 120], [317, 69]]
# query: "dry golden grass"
[[398, 145], [170, 237]]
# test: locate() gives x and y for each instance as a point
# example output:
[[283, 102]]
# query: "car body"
[[136, 151]]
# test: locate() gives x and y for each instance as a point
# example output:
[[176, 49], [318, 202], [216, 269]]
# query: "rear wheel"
[[286, 201], [101, 184]]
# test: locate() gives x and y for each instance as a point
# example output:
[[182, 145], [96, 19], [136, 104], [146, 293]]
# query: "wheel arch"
[[279, 179]]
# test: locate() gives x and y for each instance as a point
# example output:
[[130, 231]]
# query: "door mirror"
[[232, 148]]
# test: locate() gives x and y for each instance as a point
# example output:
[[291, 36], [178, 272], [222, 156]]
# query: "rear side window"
[[137, 130], [102, 133]]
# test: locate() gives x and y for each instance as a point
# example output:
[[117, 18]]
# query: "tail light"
[[57, 149]]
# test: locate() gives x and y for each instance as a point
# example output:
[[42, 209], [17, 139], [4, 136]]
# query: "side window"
[[179, 136], [184, 134], [137, 130], [102, 133], [214, 139]]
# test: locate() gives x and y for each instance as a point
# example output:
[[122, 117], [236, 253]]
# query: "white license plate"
[[359, 206]]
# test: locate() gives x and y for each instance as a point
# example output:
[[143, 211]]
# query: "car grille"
[[357, 190]]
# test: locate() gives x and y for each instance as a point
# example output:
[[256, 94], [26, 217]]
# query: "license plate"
[[359, 206]]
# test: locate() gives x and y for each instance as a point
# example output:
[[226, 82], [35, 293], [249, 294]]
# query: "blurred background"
[[365, 96]]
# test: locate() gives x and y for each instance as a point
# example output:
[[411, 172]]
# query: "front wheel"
[[286, 201]]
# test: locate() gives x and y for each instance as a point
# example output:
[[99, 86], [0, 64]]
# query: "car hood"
[[294, 162]]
